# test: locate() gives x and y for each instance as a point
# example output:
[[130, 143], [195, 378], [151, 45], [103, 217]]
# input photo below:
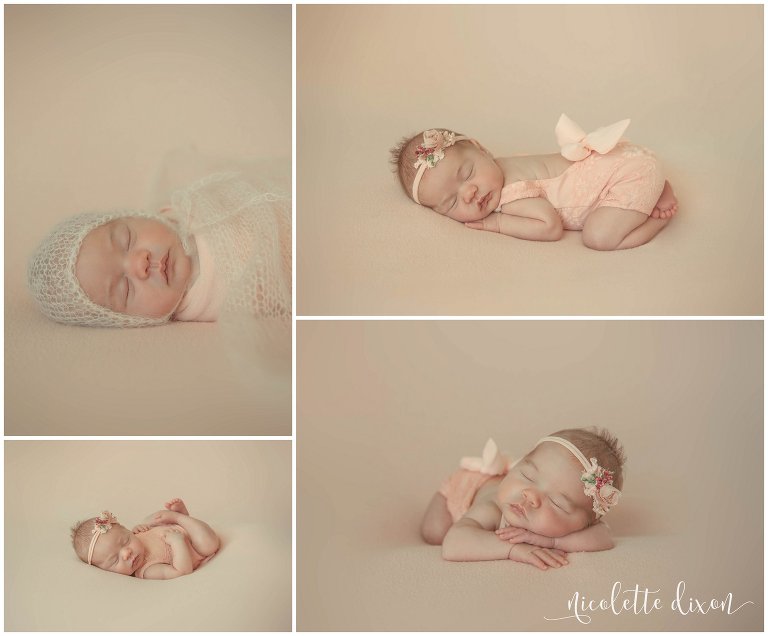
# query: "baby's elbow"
[[449, 551], [448, 554], [553, 230]]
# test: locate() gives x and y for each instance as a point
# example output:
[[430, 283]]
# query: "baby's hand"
[[142, 527], [542, 558], [521, 535], [490, 223], [173, 537]]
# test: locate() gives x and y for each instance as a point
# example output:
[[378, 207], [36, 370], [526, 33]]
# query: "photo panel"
[[169, 128], [369, 76], [241, 490], [386, 410]]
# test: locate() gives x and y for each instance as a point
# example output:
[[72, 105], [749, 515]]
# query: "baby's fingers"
[[535, 559], [558, 554], [549, 558]]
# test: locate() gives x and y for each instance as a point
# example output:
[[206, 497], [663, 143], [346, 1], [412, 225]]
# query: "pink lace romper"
[[158, 551], [620, 175]]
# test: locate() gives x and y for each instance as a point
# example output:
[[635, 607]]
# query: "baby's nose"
[[470, 190], [138, 264], [533, 498]]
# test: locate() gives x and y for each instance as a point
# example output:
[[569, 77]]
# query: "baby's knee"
[[598, 237], [208, 544], [434, 531]]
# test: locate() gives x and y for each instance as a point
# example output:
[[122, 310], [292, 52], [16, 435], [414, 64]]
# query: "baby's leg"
[[203, 539], [437, 520], [617, 229], [177, 505]]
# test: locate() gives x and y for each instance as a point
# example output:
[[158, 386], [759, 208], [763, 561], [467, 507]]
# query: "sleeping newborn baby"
[[222, 244], [533, 510], [168, 544]]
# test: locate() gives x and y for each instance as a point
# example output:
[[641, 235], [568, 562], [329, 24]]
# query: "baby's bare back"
[[532, 167]]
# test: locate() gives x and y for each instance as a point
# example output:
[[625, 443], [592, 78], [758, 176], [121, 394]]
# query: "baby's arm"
[[533, 219], [591, 539], [181, 557], [472, 538]]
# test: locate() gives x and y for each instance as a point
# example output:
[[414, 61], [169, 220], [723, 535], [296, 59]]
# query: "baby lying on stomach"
[[167, 544], [533, 510]]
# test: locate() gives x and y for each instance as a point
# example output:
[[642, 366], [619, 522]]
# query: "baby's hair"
[[403, 156], [600, 444]]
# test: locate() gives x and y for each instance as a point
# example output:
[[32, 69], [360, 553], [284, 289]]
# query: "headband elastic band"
[[101, 525], [564, 442]]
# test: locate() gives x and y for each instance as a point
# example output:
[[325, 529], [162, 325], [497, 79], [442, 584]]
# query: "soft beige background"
[[386, 409], [96, 97], [241, 489], [366, 76]]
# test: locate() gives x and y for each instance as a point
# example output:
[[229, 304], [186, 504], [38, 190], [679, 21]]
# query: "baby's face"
[[465, 185], [135, 266], [543, 493], [118, 551]]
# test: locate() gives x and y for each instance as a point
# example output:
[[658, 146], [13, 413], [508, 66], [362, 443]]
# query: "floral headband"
[[598, 481], [101, 525], [429, 152]]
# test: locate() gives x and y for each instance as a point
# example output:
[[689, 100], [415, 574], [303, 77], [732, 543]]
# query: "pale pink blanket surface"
[[158, 551]]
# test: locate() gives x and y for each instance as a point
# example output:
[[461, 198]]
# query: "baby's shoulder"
[[485, 512], [532, 167]]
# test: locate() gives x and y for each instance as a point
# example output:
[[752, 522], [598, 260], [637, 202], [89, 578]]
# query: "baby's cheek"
[[552, 526]]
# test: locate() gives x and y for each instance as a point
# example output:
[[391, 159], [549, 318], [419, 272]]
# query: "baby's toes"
[[656, 213]]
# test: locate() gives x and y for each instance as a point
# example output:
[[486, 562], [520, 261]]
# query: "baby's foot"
[[666, 206], [177, 505]]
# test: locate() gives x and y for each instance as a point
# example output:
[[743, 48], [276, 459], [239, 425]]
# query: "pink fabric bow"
[[576, 145], [491, 463]]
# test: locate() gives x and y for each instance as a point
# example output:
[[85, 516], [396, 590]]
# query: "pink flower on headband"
[[598, 484], [432, 148], [103, 523]]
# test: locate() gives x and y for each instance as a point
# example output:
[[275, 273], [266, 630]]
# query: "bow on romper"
[[606, 172]]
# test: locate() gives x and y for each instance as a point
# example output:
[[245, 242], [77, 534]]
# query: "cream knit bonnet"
[[52, 280]]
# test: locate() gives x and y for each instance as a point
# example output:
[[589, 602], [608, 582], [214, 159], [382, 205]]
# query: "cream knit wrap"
[[247, 225]]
